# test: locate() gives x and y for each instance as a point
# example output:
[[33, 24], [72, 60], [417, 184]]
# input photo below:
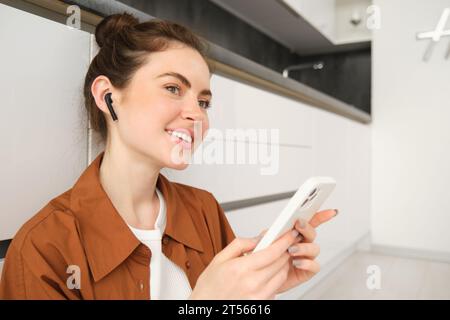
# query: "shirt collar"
[[161, 220], [105, 235]]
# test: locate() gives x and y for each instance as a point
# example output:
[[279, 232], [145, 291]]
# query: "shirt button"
[[188, 264], [165, 240]]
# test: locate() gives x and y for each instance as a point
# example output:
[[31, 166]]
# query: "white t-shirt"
[[167, 280]]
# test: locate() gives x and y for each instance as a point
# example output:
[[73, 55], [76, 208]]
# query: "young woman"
[[124, 231]]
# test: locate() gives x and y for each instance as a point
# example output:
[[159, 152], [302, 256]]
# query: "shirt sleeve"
[[30, 276], [223, 233]]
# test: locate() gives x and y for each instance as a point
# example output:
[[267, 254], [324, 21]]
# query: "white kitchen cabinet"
[[332, 18], [342, 150], [238, 105], [231, 182], [319, 13]]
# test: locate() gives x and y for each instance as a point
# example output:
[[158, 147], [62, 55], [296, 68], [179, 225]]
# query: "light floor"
[[400, 278]]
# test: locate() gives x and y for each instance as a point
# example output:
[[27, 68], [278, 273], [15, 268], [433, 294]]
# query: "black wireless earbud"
[[109, 102]]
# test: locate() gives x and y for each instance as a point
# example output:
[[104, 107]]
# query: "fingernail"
[[297, 263], [295, 233], [292, 249], [301, 223], [257, 238], [337, 211]]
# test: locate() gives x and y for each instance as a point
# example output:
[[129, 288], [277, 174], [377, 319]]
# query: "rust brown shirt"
[[80, 233]]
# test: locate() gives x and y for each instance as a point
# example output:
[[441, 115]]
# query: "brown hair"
[[124, 46]]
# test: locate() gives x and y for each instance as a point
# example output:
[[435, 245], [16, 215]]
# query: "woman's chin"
[[177, 166], [178, 161], [178, 157]]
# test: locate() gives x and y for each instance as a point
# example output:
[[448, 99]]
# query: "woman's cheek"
[[205, 127], [145, 130]]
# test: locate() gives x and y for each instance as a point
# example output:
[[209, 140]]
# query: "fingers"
[[322, 216], [306, 230], [307, 265], [276, 281], [268, 255], [308, 250], [267, 273], [235, 249]]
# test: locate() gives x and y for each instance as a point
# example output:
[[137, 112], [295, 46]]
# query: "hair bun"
[[111, 25]]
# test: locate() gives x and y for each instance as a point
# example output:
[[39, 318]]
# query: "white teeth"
[[181, 135]]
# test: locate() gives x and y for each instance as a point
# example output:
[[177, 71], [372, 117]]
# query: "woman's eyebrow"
[[185, 81]]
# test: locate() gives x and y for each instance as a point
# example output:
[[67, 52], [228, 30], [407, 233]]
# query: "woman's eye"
[[173, 89], [205, 104]]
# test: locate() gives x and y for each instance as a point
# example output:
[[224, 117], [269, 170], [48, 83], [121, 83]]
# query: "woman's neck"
[[129, 180]]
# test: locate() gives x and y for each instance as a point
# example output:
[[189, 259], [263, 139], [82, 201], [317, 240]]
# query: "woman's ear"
[[99, 88]]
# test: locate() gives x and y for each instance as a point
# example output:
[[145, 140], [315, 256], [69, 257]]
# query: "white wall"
[[43, 133], [411, 129]]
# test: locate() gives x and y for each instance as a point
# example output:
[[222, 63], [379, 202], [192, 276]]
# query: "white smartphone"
[[303, 204]]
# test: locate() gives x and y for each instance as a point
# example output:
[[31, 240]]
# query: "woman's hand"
[[234, 275], [302, 263]]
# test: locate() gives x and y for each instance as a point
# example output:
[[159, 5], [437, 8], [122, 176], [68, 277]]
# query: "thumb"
[[236, 248]]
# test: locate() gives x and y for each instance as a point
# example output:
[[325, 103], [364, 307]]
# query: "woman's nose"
[[193, 112]]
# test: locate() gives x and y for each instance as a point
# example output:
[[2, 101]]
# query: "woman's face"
[[169, 93]]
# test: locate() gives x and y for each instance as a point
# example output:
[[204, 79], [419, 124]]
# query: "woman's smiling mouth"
[[181, 135]]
